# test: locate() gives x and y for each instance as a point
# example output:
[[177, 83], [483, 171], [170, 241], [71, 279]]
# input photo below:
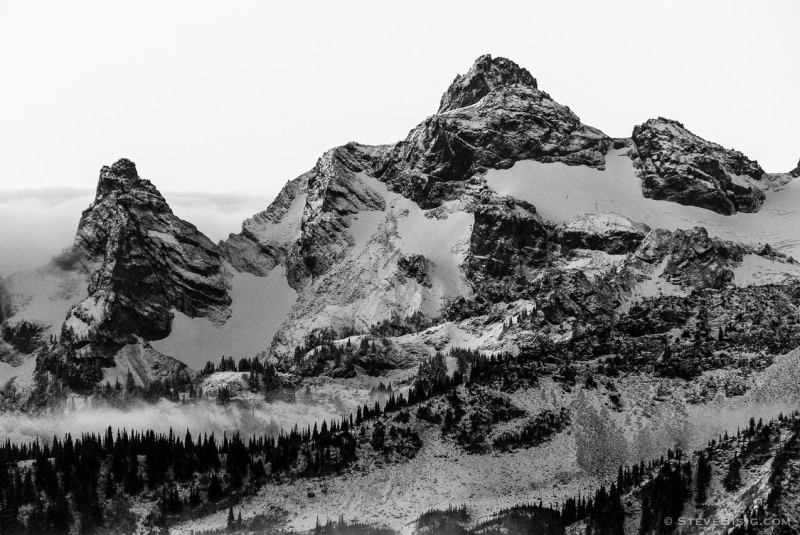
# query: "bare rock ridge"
[[305, 227], [677, 165]]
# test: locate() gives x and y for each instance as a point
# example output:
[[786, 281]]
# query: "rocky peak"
[[150, 261], [147, 263], [796, 172], [490, 117], [680, 166], [485, 75], [123, 168], [119, 177]]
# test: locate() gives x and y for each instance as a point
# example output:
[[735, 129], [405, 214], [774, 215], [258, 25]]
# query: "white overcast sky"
[[238, 97]]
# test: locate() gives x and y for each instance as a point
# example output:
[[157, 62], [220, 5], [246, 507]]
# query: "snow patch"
[[259, 306], [45, 295], [759, 270], [286, 230], [563, 193]]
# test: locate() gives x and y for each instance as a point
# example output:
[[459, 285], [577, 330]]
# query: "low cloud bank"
[[200, 417]]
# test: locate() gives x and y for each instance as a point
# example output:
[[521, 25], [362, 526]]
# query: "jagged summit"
[[123, 168], [486, 74], [120, 176], [796, 171], [146, 262]]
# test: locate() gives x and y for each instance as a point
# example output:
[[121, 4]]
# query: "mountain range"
[[517, 272]]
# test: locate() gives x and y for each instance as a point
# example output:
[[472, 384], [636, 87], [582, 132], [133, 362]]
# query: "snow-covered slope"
[[44, 296], [369, 285]]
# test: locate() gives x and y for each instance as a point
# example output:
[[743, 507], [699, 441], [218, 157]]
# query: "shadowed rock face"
[[508, 236], [677, 165], [151, 261]]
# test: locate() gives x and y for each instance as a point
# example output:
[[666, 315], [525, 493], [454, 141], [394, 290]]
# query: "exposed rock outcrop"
[[509, 242], [677, 165], [306, 226], [335, 193], [490, 117], [693, 258]]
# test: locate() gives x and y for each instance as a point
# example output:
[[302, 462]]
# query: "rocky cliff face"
[[305, 227], [265, 238], [679, 166], [509, 245]]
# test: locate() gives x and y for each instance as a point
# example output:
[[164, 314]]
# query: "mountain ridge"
[[508, 303], [489, 118]]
